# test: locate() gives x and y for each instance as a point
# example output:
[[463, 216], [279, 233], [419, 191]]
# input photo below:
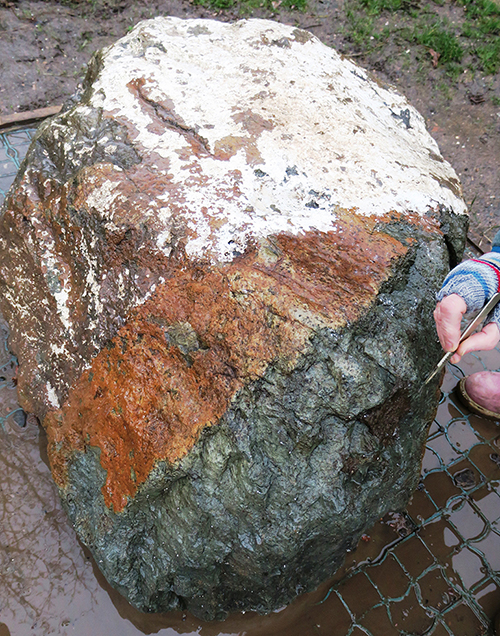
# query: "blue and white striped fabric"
[[476, 281]]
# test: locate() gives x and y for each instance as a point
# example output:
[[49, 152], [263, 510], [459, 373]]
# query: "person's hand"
[[448, 315]]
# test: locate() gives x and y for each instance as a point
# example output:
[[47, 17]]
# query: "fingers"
[[448, 315], [483, 340]]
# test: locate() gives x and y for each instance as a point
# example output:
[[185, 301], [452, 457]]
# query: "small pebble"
[[465, 479], [495, 458], [19, 418]]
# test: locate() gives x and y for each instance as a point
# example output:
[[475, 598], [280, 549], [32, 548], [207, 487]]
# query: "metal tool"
[[470, 329]]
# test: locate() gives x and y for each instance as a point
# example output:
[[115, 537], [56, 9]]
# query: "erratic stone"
[[219, 266]]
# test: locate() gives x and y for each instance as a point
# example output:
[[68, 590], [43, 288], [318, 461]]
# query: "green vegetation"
[[245, 6], [441, 40], [456, 35]]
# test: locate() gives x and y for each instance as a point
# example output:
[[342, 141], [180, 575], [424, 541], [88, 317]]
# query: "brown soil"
[[45, 47]]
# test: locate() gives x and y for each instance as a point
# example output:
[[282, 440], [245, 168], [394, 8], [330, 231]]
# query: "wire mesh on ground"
[[13, 147]]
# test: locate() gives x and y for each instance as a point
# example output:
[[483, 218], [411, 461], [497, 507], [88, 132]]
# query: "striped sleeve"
[[476, 281]]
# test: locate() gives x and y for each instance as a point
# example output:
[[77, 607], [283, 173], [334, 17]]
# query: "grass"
[[471, 40], [438, 38], [246, 6]]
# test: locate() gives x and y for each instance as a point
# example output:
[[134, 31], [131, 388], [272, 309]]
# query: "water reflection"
[[44, 570]]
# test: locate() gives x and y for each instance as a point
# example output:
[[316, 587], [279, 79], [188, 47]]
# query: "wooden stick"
[[28, 117]]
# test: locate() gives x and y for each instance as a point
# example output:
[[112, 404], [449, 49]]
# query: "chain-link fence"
[[13, 147]]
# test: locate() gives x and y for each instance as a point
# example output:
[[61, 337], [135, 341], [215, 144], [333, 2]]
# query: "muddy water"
[[49, 583], [432, 570]]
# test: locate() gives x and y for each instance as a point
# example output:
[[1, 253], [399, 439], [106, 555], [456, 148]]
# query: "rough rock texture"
[[219, 266]]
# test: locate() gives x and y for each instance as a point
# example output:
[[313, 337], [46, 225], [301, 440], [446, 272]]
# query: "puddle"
[[431, 461], [488, 597], [465, 520], [409, 616], [461, 436], [436, 591], [469, 566], [443, 450], [441, 488], [471, 364], [447, 411], [488, 503], [490, 548], [440, 539]]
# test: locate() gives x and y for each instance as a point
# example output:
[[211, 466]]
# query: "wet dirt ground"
[[45, 47]]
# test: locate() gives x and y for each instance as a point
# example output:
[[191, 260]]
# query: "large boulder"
[[219, 266]]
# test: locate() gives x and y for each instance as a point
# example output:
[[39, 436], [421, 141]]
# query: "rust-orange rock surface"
[[183, 355], [219, 266]]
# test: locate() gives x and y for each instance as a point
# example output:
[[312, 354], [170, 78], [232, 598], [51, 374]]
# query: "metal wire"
[[458, 498], [13, 147]]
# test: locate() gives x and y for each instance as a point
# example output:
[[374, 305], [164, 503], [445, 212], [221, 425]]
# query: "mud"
[[45, 48]]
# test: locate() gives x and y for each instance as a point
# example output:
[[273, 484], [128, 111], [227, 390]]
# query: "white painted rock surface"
[[274, 100]]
